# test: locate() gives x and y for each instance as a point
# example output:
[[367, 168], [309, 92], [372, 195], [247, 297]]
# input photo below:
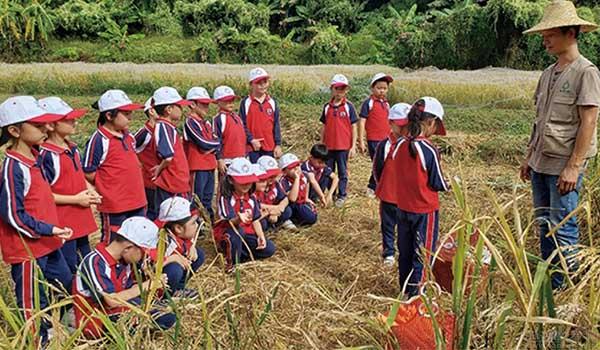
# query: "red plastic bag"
[[413, 325]]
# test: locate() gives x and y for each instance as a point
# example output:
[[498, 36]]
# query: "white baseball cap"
[[432, 106], [399, 113], [381, 76], [140, 231], [167, 95], [241, 171], [224, 93], [269, 164], [116, 99], [148, 104], [257, 74], [56, 105], [20, 109], [199, 94], [260, 173], [339, 80], [288, 160], [174, 209]]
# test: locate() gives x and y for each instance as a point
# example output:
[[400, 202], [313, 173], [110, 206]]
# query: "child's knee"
[[199, 260]]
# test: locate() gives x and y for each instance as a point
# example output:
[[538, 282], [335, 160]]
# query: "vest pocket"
[[563, 109], [559, 140]]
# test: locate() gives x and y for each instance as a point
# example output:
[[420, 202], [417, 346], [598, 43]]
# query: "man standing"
[[564, 131]]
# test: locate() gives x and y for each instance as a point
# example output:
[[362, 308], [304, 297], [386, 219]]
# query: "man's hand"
[[567, 181], [525, 171]]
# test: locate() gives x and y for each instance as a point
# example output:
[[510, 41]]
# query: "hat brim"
[[259, 79], [273, 172], [388, 79], [263, 177], [292, 165], [244, 179], [441, 129], [205, 101], [183, 103], [336, 85], [75, 114], [130, 107], [585, 26], [46, 118], [227, 98]]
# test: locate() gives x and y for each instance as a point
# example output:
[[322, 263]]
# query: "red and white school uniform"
[[118, 178], [229, 128], [146, 152], [375, 111], [62, 169], [262, 122], [303, 212]]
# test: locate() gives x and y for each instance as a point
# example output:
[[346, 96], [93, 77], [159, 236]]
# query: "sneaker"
[[185, 293], [288, 225], [370, 193], [340, 202], [389, 261]]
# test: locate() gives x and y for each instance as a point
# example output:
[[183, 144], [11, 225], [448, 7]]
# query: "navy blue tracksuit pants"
[[53, 269], [388, 214], [204, 187], [417, 238], [254, 155], [339, 160], [303, 214], [285, 215], [177, 276]]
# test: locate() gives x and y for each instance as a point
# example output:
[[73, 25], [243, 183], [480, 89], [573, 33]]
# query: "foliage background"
[[453, 34]]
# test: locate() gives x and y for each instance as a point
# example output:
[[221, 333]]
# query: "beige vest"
[[557, 118]]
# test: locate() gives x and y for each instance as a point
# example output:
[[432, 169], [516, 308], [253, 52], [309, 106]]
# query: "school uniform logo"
[[269, 111], [343, 114]]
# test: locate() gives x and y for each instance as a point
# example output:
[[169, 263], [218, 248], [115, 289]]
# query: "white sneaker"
[[389, 261], [288, 225], [340, 202], [370, 193]]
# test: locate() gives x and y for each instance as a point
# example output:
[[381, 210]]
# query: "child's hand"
[[352, 152], [193, 254], [245, 217], [323, 201], [64, 233], [262, 242], [222, 166], [329, 198], [361, 146], [180, 260], [155, 171], [273, 218], [309, 201], [86, 198], [256, 146], [277, 152]]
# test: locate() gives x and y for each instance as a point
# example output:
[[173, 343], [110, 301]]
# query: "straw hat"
[[561, 13]]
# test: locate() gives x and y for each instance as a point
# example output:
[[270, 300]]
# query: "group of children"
[[159, 178]]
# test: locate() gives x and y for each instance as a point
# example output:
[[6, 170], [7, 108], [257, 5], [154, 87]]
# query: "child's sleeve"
[[15, 185], [255, 209], [95, 151], [142, 139], [286, 186], [50, 167], [364, 108], [280, 193], [193, 133], [378, 161], [93, 275], [434, 168], [323, 118], [352, 113], [226, 210], [244, 106], [218, 127], [164, 140], [276, 124]]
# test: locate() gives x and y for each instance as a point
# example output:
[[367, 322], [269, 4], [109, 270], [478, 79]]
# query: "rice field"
[[326, 286]]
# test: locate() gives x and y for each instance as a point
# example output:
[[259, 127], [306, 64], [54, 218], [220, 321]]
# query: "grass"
[[326, 286]]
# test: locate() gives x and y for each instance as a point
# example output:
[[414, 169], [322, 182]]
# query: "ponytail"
[[415, 118]]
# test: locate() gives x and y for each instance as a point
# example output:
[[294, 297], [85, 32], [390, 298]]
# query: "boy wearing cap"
[[323, 181], [260, 113], [386, 176], [373, 119], [417, 161], [105, 282], [200, 147], [297, 187], [61, 167], [564, 134], [146, 152], [111, 164], [229, 128], [172, 175], [239, 235], [30, 237], [272, 198], [182, 257], [339, 132]]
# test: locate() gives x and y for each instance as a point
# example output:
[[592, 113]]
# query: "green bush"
[[327, 44], [77, 18]]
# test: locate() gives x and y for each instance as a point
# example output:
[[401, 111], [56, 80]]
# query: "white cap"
[[140, 231], [288, 160], [241, 171], [20, 109], [339, 80], [148, 104], [260, 173], [399, 113], [433, 106], [269, 164], [116, 99], [381, 76], [198, 94], [167, 95], [174, 209], [56, 105], [224, 93], [257, 74]]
